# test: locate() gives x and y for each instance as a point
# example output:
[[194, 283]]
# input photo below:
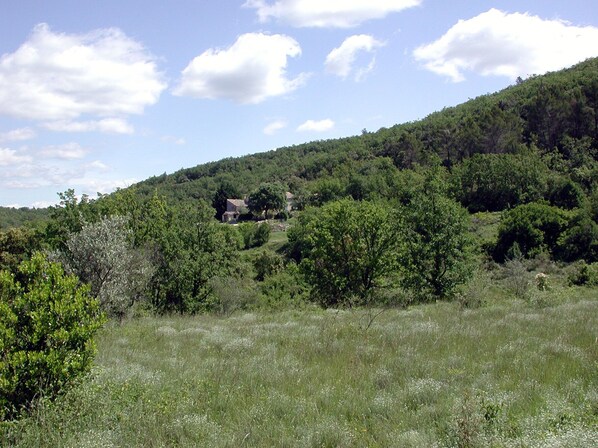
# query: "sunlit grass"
[[507, 374]]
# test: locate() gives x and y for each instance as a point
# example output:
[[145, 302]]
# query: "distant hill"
[[553, 116], [553, 113], [17, 217]]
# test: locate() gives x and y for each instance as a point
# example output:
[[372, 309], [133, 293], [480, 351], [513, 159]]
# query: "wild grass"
[[506, 374]]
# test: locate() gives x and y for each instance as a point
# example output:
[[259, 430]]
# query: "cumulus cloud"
[[11, 157], [69, 151], [250, 71], [106, 125], [328, 13], [316, 126], [274, 127], [512, 45], [17, 135], [60, 77], [341, 60]]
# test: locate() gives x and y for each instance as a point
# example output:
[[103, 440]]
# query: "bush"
[[47, 322], [584, 275], [266, 264], [101, 254], [530, 229], [254, 235]]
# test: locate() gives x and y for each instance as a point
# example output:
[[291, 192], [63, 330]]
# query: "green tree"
[[268, 196], [436, 251], [68, 217], [192, 250], [47, 321], [350, 250]]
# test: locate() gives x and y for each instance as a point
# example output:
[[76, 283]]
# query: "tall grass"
[[504, 375]]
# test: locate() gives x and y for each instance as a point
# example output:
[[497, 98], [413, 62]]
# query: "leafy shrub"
[[584, 274], [579, 240], [284, 289], [253, 234], [530, 229], [266, 264], [47, 321]]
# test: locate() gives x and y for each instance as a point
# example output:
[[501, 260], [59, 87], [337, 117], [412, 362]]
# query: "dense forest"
[[409, 214]]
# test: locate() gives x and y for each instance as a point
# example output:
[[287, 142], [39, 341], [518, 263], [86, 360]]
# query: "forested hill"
[[553, 117]]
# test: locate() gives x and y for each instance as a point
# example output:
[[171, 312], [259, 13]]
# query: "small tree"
[[268, 197], [436, 255], [47, 321], [101, 255], [350, 248]]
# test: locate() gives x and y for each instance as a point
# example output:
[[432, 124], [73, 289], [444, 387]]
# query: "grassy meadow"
[[513, 373]]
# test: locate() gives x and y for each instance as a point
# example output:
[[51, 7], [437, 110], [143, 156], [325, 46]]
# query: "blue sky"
[[97, 95]]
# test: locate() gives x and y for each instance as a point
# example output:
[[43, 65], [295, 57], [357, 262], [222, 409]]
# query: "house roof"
[[237, 202]]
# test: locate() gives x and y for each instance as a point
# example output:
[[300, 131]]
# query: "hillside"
[[555, 115]]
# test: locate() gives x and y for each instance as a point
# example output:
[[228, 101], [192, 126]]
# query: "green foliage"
[[436, 254], [254, 234], [47, 321], [493, 182], [191, 250], [584, 274], [284, 288], [349, 250], [565, 193], [531, 229], [266, 264], [268, 197], [17, 217], [580, 239], [102, 255], [17, 245], [69, 217]]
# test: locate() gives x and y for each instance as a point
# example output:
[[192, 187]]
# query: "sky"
[[97, 95]]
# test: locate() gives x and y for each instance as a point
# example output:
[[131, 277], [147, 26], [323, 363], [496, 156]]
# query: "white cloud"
[[174, 140], [251, 70], [327, 13], [58, 76], [97, 165], [69, 151], [316, 126], [341, 60], [17, 135], [107, 125], [10, 157], [275, 126], [502, 44]]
